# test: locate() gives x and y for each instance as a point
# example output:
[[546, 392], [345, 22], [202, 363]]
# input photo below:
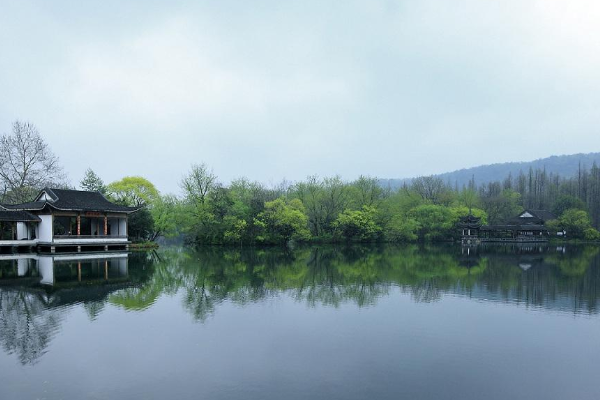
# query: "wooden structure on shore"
[[64, 220], [528, 226]]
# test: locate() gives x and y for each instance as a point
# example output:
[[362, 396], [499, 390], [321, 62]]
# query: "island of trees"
[[329, 209]]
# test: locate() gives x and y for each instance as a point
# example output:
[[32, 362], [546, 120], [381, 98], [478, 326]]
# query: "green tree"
[[401, 229], [133, 191], [236, 230], [324, 200], [198, 183], [92, 182], [358, 225], [502, 207], [566, 202], [281, 222], [435, 222], [366, 191], [468, 197], [140, 225], [575, 222], [164, 216]]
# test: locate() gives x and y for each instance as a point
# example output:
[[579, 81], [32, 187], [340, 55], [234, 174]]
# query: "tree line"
[[316, 209]]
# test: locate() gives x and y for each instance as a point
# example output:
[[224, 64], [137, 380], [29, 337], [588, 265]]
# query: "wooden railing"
[[89, 237], [516, 239]]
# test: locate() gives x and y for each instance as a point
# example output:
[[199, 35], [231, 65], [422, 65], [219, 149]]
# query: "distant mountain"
[[566, 166]]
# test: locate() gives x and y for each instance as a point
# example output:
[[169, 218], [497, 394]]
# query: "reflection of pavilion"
[[61, 270], [523, 255], [36, 290]]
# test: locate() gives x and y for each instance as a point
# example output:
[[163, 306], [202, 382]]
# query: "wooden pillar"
[[106, 270], [79, 271], [78, 225], [105, 225]]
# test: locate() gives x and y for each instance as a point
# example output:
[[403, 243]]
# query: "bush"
[[591, 234]]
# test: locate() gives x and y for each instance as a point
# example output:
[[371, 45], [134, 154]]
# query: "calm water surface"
[[498, 322]]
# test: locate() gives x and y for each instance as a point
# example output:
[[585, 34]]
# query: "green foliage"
[[553, 226], [575, 222], [359, 225], [591, 234], [92, 182], [164, 215], [236, 230], [401, 229], [199, 181], [133, 191], [462, 211], [281, 222], [141, 225], [435, 222], [503, 206], [366, 191], [323, 200], [566, 202], [468, 198]]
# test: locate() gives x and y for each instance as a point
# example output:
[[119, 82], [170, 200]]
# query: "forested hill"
[[565, 166]]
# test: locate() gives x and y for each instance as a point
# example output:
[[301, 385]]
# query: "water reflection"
[[37, 292]]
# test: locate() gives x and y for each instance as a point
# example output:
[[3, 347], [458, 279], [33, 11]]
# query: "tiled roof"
[[18, 216], [542, 214], [72, 200], [31, 206]]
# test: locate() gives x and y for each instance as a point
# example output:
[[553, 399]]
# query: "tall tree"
[[198, 183], [26, 164], [430, 188], [92, 182]]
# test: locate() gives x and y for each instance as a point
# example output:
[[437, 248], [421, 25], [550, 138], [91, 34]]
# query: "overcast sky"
[[285, 89]]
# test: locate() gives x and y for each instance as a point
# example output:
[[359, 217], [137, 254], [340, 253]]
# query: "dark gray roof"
[[525, 227], [18, 216], [65, 199], [72, 200], [31, 206], [544, 215]]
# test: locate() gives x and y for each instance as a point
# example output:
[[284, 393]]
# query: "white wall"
[[45, 228], [22, 231], [122, 226], [114, 226]]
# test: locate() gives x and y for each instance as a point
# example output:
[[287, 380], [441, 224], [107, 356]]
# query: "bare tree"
[[26, 163], [430, 188]]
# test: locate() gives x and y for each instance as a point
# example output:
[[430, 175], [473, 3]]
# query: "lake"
[[381, 322]]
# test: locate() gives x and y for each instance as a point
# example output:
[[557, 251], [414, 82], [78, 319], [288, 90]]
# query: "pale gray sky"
[[284, 89]]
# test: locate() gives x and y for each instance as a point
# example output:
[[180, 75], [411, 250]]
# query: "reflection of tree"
[[316, 276], [26, 325], [149, 277], [93, 309], [574, 264]]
